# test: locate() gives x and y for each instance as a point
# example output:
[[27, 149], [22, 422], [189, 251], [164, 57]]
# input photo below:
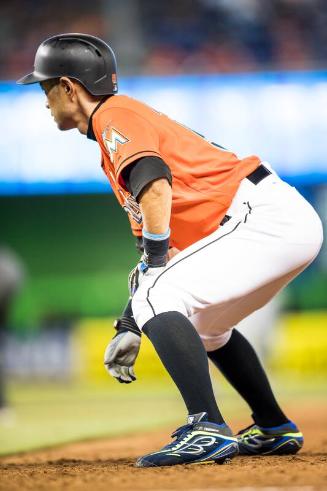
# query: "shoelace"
[[182, 429], [178, 435]]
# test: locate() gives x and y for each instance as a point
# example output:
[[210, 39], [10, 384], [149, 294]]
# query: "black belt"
[[258, 174], [255, 177]]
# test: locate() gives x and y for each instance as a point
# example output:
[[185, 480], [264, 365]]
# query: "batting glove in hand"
[[122, 351], [143, 269]]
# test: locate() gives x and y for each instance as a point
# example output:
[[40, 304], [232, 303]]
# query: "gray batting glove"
[[120, 356]]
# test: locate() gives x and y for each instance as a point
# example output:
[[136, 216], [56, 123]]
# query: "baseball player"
[[219, 236]]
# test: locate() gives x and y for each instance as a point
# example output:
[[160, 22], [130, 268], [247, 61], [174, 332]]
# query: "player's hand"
[[142, 270], [122, 351], [173, 251]]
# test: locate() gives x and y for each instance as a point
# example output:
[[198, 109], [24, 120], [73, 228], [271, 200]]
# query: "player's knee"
[[147, 304], [212, 343]]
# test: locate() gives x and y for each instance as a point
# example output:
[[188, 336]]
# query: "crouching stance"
[[219, 236]]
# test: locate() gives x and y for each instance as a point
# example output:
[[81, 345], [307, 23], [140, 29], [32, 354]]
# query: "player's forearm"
[[155, 205]]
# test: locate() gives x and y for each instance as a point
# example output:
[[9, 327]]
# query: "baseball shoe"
[[277, 440], [197, 442]]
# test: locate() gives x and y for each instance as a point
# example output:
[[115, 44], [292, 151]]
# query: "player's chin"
[[64, 125]]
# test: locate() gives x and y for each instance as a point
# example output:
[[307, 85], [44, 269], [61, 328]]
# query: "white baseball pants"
[[273, 235]]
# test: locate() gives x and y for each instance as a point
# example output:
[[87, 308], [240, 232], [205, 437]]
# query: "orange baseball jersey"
[[205, 177]]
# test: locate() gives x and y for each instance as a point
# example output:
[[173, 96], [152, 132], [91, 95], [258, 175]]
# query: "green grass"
[[47, 415], [42, 416]]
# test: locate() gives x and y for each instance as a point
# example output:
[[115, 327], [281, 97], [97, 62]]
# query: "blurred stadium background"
[[248, 74]]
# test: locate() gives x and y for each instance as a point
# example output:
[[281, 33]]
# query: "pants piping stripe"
[[186, 257]]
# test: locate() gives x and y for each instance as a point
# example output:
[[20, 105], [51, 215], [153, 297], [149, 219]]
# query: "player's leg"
[[205, 437], [250, 381], [272, 431], [182, 353], [234, 355]]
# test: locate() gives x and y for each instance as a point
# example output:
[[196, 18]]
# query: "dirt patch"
[[109, 465]]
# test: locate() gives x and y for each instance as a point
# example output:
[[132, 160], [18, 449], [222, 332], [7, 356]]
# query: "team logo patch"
[[132, 207], [111, 138]]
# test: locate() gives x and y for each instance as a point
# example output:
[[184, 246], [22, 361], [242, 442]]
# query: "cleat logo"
[[111, 139], [197, 446], [257, 442]]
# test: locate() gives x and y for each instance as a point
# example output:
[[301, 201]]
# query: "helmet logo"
[[114, 82], [112, 139]]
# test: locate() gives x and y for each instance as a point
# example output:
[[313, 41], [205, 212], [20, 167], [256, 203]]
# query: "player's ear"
[[67, 86]]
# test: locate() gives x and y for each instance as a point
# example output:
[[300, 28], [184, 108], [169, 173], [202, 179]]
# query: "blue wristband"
[[163, 236]]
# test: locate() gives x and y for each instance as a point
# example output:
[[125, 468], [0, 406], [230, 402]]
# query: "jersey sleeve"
[[127, 137], [143, 171], [136, 227]]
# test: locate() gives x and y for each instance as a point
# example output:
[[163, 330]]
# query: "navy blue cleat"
[[197, 442], [285, 439]]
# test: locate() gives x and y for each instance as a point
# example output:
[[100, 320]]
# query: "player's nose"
[[47, 105]]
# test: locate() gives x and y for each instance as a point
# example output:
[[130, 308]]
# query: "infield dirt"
[[109, 465]]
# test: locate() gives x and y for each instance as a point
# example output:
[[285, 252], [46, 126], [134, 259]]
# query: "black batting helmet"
[[85, 58]]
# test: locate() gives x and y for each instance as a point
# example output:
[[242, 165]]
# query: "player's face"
[[60, 104]]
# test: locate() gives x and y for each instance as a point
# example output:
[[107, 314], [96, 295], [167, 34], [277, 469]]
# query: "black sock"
[[241, 366], [182, 353]]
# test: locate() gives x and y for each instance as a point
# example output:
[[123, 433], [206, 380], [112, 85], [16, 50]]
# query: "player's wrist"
[[124, 324], [155, 249]]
